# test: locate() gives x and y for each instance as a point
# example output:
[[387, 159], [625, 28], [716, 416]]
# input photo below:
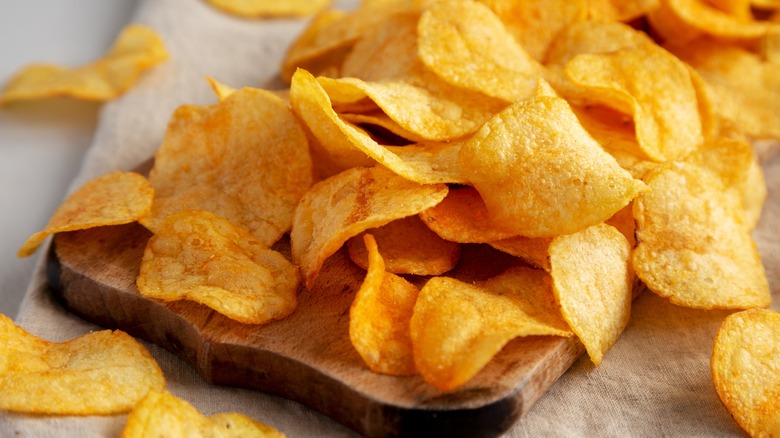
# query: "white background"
[[42, 143]]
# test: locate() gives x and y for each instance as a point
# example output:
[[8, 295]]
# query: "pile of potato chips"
[[597, 145]]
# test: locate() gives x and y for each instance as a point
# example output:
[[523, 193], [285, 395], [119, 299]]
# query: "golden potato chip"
[[620, 10], [745, 368], [407, 247], [347, 204], [269, 8], [679, 21], [536, 23], [198, 256], [380, 119], [653, 86], [458, 327], [743, 85], [593, 37], [533, 250], [210, 156], [137, 48], [104, 372], [221, 90], [462, 217], [541, 174], [379, 317], [693, 246], [451, 43], [593, 283], [161, 413], [114, 198]]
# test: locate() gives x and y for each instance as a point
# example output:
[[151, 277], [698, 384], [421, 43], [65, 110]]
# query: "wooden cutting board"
[[306, 357]]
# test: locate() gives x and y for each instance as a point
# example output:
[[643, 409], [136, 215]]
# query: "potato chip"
[[451, 43], [198, 256], [536, 23], [533, 250], [680, 21], [593, 282], [693, 246], [210, 156], [221, 90], [541, 174], [269, 8], [162, 414], [379, 317], [620, 10], [136, 49], [114, 198], [745, 368], [650, 84], [458, 327], [407, 247], [593, 37], [104, 372], [348, 203]]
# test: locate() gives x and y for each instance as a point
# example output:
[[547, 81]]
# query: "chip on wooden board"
[[100, 373], [745, 368], [161, 413], [115, 198], [136, 49], [198, 256], [379, 317]]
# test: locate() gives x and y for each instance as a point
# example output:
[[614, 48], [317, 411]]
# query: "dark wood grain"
[[307, 357]]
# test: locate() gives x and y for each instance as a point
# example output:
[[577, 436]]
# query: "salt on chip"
[[114, 198], [269, 8], [407, 247], [100, 373], [161, 413], [210, 156], [539, 172], [693, 246], [379, 317], [347, 204], [458, 327], [593, 281], [136, 49], [745, 367], [197, 256]]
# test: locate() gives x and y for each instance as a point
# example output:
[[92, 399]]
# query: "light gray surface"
[[42, 143]]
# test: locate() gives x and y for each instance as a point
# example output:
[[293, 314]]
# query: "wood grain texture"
[[306, 357]]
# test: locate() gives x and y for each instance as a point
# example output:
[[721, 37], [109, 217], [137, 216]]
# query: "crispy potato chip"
[[379, 317], [221, 90], [541, 174], [533, 250], [745, 368], [458, 327], [680, 21], [198, 256], [620, 10], [407, 247], [462, 217], [269, 8], [114, 198], [536, 23], [104, 372], [451, 43], [593, 282], [380, 119], [136, 49], [162, 414], [693, 246], [347, 204], [210, 156], [593, 37]]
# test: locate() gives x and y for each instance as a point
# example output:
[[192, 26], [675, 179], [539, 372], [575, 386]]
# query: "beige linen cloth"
[[654, 382]]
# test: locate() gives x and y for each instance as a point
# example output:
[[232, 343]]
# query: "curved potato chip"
[[541, 174], [198, 256], [620, 10], [458, 327], [348, 203], [104, 372], [269, 8], [693, 247], [593, 37], [679, 21], [379, 317], [115, 198], [745, 368], [533, 250], [136, 49], [451, 43], [245, 158], [161, 413], [592, 281]]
